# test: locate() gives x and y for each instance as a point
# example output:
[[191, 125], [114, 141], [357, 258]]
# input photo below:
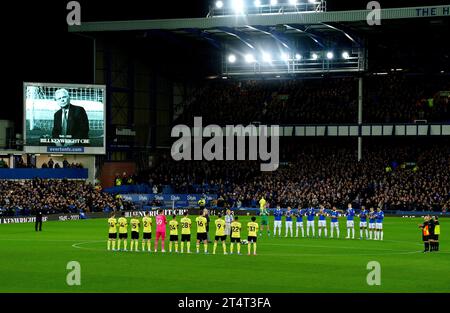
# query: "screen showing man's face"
[[62, 97]]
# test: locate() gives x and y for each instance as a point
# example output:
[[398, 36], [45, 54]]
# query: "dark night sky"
[[41, 49]]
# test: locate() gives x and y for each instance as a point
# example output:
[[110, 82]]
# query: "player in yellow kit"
[[112, 237], [252, 235], [147, 232], [173, 226], [220, 234], [236, 235], [135, 223], [201, 231], [123, 231], [186, 224]]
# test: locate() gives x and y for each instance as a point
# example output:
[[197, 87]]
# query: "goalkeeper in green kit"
[[264, 216]]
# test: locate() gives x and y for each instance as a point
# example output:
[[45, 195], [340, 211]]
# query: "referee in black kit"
[[38, 224]]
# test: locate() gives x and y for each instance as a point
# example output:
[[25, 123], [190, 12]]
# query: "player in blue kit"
[[372, 214], [350, 221], [334, 222], [277, 223], [288, 222], [299, 222], [322, 221], [379, 217], [310, 213], [363, 214]]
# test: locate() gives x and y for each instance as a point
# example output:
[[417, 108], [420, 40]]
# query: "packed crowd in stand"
[[393, 177], [22, 198], [387, 99]]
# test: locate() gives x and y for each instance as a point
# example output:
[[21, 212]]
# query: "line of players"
[[224, 227], [374, 231]]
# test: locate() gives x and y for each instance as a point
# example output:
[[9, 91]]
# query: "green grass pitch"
[[36, 262]]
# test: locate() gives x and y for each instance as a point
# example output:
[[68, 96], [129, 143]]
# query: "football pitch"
[[36, 262]]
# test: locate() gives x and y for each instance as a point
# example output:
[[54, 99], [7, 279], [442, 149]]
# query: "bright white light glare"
[[273, 2], [315, 56], [312, 1], [231, 58], [219, 4], [293, 2], [257, 3], [284, 57], [238, 6], [330, 55], [249, 58], [345, 55], [266, 57], [298, 57]]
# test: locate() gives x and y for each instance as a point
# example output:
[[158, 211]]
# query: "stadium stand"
[[394, 97], [22, 197], [396, 175]]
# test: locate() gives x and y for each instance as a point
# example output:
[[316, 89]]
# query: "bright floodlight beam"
[[238, 6], [284, 57], [249, 58], [257, 3], [298, 56], [345, 55], [330, 55], [231, 58], [266, 57], [273, 2], [293, 2], [219, 4], [312, 1], [315, 56]]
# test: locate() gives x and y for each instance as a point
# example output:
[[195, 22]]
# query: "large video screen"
[[62, 118]]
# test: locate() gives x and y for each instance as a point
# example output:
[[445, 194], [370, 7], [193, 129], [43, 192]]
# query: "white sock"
[[320, 232], [325, 230], [370, 234], [337, 232], [367, 233], [360, 233], [353, 232], [348, 232], [381, 233], [303, 232]]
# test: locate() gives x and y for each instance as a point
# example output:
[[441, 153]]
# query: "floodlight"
[[293, 2], [314, 56], [249, 58], [257, 3], [284, 56], [219, 4], [330, 55], [345, 55], [273, 2], [298, 56], [231, 58], [238, 6], [312, 1]]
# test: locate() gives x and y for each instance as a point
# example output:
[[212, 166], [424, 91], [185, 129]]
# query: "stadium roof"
[[305, 31], [216, 24]]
